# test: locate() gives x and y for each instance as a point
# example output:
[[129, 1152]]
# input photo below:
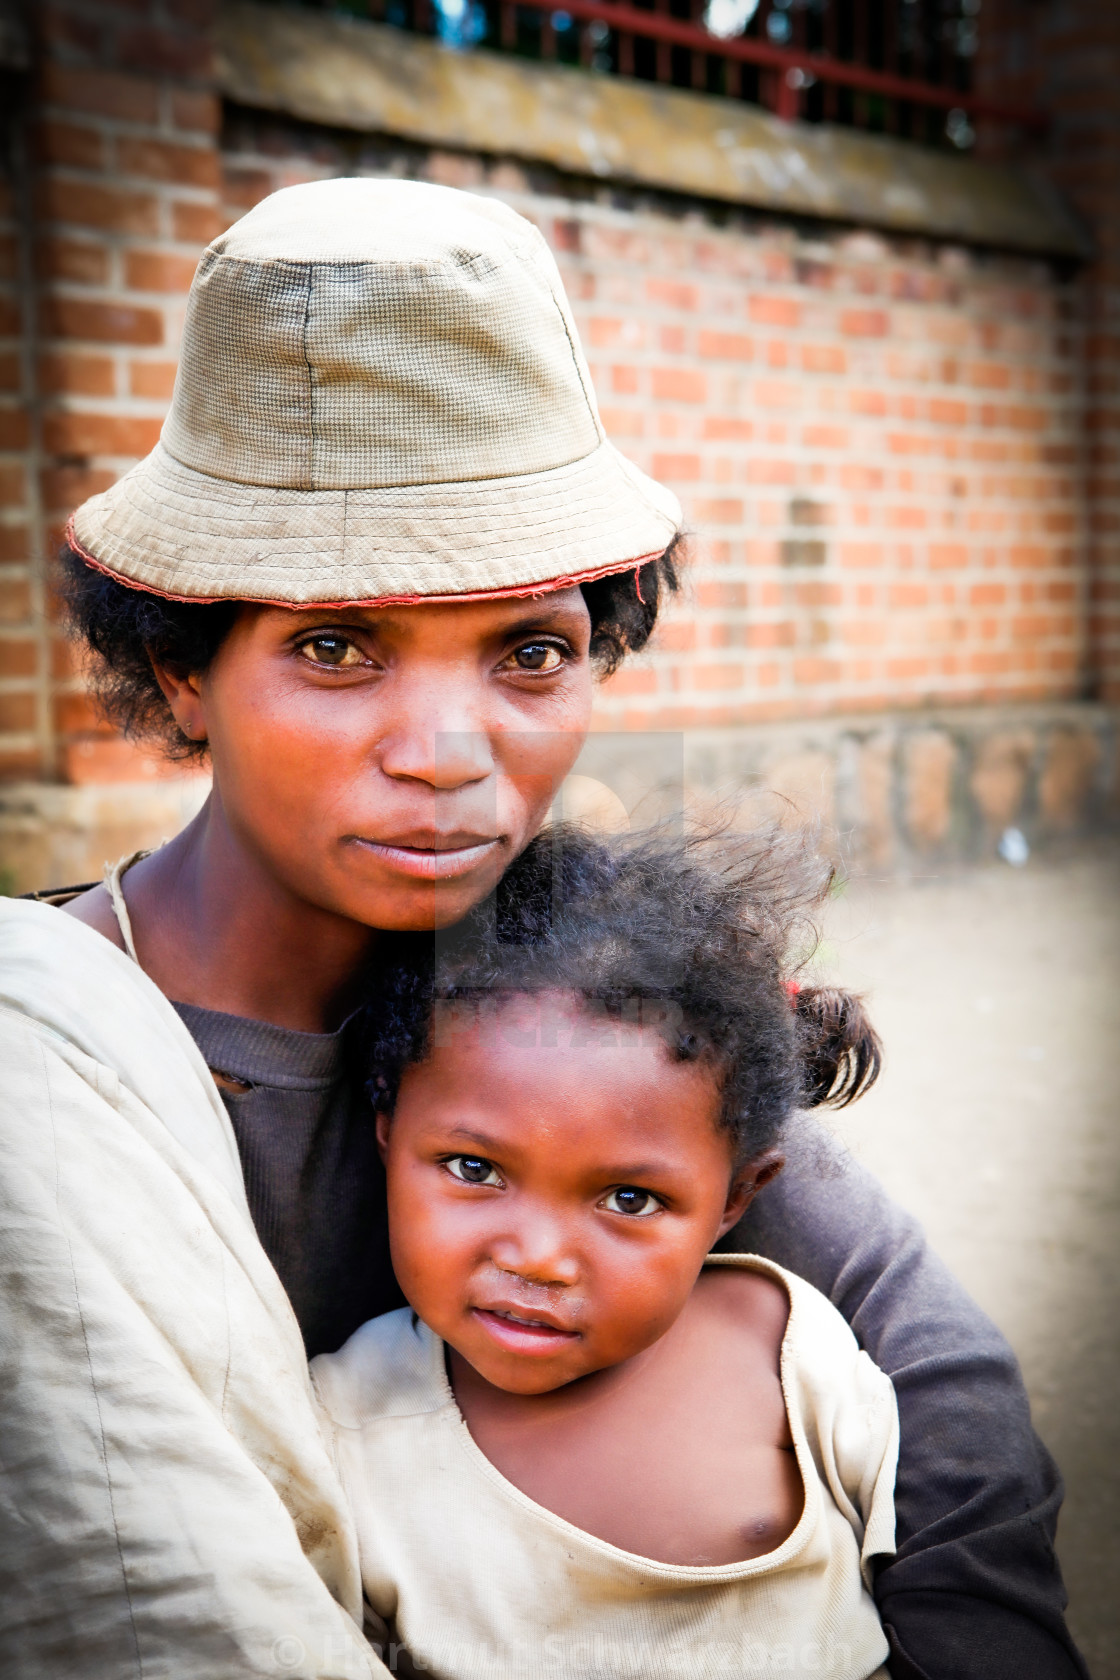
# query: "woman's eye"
[[472, 1169], [337, 652], [632, 1201], [536, 656]]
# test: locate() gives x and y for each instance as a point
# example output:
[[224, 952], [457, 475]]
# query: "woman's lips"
[[437, 860], [517, 1334]]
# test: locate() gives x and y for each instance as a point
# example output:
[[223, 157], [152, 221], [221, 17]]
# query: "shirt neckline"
[[698, 1574], [261, 1053]]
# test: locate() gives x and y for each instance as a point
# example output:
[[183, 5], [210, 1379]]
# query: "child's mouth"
[[523, 1334]]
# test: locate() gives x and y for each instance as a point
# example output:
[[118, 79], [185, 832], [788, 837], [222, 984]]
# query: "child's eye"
[[335, 651], [472, 1169], [630, 1200]]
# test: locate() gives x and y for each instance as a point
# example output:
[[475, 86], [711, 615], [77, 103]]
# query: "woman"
[[369, 571]]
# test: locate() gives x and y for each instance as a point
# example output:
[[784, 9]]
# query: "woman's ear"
[[384, 1121], [746, 1184], [183, 692]]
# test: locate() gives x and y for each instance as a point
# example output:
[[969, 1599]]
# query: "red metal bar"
[[768, 95], [697, 63], [655, 26], [890, 56], [663, 67], [625, 54], [791, 92], [830, 102], [945, 59], [860, 33]]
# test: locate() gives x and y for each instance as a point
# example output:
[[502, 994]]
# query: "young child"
[[593, 1447]]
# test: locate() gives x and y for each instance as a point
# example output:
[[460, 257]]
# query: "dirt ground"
[[997, 1121]]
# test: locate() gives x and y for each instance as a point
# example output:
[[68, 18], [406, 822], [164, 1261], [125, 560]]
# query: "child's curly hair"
[[706, 924]]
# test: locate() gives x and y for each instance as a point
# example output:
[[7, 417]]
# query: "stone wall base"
[[887, 791], [54, 836], [890, 791]]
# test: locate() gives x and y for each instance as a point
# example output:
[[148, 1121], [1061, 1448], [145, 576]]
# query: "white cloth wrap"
[[167, 1505]]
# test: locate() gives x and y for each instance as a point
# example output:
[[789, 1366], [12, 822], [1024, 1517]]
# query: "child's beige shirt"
[[479, 1582]]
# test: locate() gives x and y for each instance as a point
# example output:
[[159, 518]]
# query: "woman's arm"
[[974, 1592], [166, 1503]]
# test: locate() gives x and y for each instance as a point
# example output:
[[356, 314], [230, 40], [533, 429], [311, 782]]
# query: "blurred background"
[[848, 277]]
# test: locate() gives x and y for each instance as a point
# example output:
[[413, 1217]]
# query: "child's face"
[[551, 1204]]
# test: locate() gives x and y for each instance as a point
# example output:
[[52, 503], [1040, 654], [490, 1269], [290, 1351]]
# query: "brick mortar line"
[[874, 362], [817, 306], [124, 411], [868, 380], [688, 409], [117, 297], [814, 303], [60, 115], [110, 171], [114, 178], [35, 459]]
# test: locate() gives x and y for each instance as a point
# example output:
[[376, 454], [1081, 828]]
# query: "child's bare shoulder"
[[749, 1302], [734, 1327]]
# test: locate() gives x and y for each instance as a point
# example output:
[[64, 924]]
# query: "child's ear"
[[384, 1121], [746, 1184]]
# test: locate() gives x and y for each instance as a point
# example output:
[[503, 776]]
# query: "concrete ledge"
[[60, 836], [896, 791], [350, 74]]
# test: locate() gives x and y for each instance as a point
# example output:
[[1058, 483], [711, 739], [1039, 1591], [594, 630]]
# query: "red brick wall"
[[24, 656], [875, 441], [1064, 58], [122, 172], [875, 446]]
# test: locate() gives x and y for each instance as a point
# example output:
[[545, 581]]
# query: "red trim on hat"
[[549, 586]]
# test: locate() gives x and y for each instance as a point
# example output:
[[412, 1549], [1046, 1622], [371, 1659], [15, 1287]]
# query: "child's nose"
[[538, 1250]]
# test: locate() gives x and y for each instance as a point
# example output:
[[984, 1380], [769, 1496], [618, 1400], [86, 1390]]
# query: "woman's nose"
[[443, 758]]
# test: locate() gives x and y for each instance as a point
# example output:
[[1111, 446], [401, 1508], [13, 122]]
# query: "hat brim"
[[185, 535]]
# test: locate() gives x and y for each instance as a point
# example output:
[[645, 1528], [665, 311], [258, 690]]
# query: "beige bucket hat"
[[381, 397]]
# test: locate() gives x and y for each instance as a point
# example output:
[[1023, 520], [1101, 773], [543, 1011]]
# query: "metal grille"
[[891, 66]]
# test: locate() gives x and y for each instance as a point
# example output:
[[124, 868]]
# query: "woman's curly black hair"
[[126, 628], [706, 926]]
